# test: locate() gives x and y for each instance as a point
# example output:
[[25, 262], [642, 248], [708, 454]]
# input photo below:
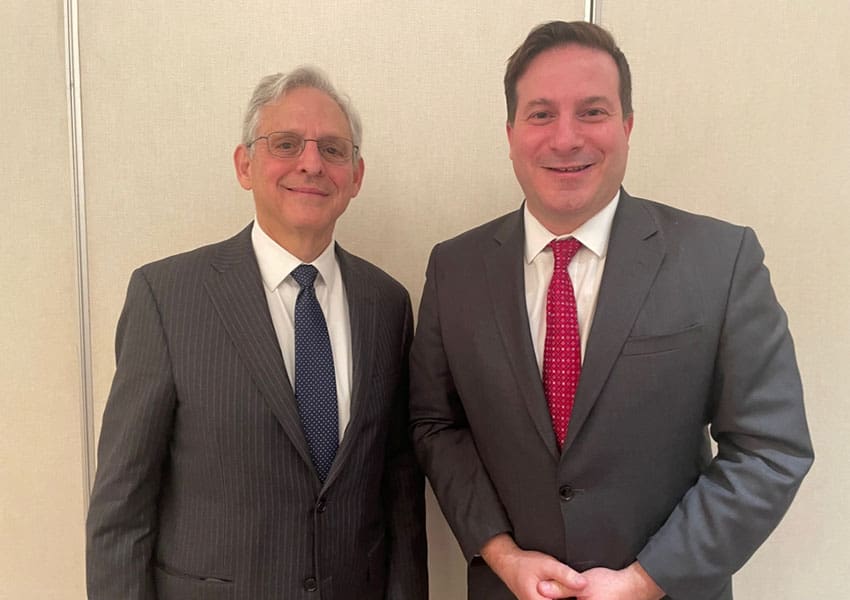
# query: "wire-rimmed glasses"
[[288, 144]]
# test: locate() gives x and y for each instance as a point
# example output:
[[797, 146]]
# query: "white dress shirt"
[[276, 265], [585, 272]]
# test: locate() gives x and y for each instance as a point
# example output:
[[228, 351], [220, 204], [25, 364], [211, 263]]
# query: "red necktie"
[[562, 352]]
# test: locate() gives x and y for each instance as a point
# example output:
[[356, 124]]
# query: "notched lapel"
[[362, 311], [635, 252], [506, 284], [236, 289]]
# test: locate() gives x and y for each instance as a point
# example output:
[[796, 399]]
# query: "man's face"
[[569, 141], [299, 197]]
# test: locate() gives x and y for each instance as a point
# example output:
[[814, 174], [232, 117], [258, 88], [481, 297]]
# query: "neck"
[[306, 246], [561, 226]]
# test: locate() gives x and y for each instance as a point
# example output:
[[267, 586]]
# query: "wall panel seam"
[[591, 11], [75, 126]]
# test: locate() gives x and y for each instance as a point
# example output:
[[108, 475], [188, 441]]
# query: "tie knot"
[[305, 275], [564, 251]]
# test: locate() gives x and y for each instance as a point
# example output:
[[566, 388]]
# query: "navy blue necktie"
[[315, 383]]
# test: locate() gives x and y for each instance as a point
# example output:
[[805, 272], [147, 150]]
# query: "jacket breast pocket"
[[668, 342]]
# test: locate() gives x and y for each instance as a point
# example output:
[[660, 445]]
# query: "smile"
[[307, 190], [569, 169]]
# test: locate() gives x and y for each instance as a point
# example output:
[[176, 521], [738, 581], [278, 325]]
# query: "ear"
[[359, 169], [242, 162], [509, 129], [628, 124]]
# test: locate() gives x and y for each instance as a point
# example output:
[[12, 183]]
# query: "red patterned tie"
[[562, 352]]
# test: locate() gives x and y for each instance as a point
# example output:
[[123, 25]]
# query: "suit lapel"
[[635, 252], [362, 311], [236, 290], [506, 285]]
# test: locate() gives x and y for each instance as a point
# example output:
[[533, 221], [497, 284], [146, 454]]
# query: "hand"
[[524, 572], [631, 583]]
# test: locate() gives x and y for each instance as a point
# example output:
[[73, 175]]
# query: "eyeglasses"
[[287, 144]]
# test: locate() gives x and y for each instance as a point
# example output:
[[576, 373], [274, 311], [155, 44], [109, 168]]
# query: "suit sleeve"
[[404, 493], [121, 527], [441, 433], [763, 444]]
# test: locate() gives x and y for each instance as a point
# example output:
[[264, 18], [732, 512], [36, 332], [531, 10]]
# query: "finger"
[[554, 590], [551, 589], [563, 575]]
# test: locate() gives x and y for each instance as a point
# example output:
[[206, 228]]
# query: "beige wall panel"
[[41, 475], [742, 111], [164, 87]]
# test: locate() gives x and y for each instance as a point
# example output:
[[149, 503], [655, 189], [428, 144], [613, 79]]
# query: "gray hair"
[[273, 87]]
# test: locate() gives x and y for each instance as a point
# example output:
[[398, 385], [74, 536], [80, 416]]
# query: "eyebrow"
[[584, 102], [597, 100], [537, 102]]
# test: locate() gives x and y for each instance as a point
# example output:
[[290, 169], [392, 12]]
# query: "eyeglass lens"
[[287, 144]]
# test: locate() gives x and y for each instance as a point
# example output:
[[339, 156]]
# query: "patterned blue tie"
[[315, 383]]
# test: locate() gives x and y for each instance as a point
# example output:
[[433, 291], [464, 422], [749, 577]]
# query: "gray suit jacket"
[[687, 339], [205, 488]]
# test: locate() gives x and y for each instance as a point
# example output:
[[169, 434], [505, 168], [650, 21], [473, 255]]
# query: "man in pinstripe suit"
[[206, 487]]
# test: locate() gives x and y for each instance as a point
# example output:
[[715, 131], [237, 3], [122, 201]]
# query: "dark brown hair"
[[559, 33]]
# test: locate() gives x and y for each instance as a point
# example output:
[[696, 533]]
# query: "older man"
[[254, 442], [572, 357]]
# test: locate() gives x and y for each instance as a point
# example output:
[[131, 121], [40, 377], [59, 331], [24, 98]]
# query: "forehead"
[[305, 110], [570, 70]]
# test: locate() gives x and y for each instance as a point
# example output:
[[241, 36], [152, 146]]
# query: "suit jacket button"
[[321, 505], [310, 584], [566, 493]]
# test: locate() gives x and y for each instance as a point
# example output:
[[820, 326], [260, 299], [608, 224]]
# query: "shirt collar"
[[276, 263], [593, 233]]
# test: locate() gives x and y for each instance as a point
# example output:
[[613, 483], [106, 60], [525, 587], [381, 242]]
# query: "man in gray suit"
[[255, 443], [572, 357]]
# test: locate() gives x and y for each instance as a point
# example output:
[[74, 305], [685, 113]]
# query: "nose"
[[566, 134], [310, 159]]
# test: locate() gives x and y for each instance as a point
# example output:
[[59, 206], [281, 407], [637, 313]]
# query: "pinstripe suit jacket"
[[205, 488]]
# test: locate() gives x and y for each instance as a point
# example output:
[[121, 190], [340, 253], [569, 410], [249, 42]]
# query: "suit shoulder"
[[486, 232], [678, 223], [187, 266], [370, 274], [182, 260]]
